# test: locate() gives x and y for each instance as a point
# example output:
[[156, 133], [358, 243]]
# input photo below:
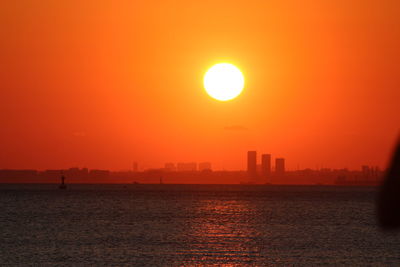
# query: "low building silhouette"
[[18, 174], [186, 166], [99, 174], [204, 166], [169, 167]]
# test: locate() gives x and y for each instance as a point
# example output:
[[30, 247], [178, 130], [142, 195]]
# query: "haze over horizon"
[[104, 84]]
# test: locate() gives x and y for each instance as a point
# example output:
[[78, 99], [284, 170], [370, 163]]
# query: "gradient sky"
[[104, 83]]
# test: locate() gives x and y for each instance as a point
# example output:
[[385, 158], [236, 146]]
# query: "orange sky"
[[102, 84]]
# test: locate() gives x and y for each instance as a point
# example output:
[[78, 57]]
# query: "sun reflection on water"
[[224, 231]]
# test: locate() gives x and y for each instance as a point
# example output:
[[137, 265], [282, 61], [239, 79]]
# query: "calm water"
[[176, 225]]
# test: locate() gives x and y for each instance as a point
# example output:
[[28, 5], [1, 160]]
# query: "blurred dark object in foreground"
[[389, 195]]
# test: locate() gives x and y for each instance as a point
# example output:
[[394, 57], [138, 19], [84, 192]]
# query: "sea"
[[192, 225]]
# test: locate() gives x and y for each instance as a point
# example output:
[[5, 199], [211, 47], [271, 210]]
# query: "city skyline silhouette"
[[260, 170]]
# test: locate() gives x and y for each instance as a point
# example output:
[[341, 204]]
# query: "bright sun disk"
[[223, 81]]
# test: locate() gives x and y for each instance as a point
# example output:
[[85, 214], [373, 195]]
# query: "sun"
[[223, 81]]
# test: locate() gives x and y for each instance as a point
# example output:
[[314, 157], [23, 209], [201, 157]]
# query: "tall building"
[[280, 166], [266, 164], [252, 163]]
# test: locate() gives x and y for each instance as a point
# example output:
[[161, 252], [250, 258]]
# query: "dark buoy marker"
[[62, 185]]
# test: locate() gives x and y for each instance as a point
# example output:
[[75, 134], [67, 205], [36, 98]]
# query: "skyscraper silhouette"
[[252, 163], [266, 165]]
